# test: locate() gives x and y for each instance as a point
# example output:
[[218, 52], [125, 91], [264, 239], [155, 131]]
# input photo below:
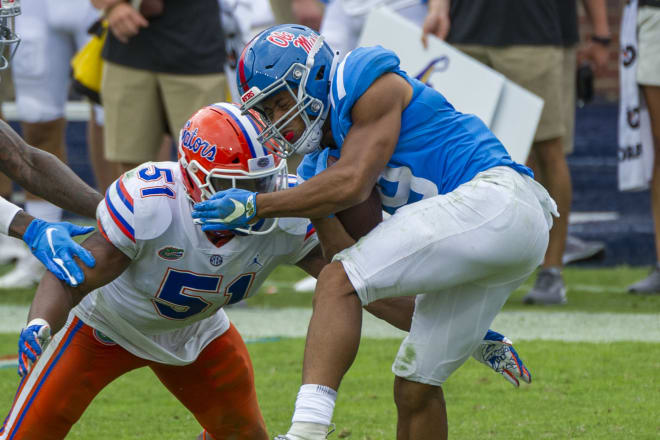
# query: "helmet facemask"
[[311, 110], [264, 175], [8, 38]]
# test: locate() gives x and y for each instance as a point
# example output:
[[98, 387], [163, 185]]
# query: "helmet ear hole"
[[320, 73]]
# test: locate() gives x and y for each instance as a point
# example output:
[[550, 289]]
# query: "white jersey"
[[167, 305]]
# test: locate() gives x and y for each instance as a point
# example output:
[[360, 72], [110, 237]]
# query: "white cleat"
[[307, 435], [27, 273], [307, 284]]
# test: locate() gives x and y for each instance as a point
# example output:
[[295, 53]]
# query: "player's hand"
[[437, 21], [496, 351], [31, 343], [51, 243], [596, 54], [229, 209], [308, 13], [124, 21]]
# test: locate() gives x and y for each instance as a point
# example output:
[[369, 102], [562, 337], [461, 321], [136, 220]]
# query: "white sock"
[[307, 431], [43, 210], [313, 414]]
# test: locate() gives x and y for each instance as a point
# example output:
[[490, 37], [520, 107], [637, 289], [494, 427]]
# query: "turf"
[[589, 391], [589, 290], [580, 390]]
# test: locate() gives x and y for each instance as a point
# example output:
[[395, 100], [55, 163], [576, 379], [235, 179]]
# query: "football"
[[358, 220]]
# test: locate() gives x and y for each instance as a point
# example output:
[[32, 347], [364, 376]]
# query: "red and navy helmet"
[[294, 58], [219, 149]]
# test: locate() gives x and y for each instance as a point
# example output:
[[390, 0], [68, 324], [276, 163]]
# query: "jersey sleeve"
[[128, 215], [306, 237], [354, 75], [301, 228], [314, 163]]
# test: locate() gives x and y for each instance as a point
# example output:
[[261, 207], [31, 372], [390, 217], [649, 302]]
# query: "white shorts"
[[648, 34], [467, 250], [51, 33]]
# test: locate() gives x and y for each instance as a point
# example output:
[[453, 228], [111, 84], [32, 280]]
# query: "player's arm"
[[45, 175], [332, 235], [54, 299], [437, 20], [596, 50], [366, 150]]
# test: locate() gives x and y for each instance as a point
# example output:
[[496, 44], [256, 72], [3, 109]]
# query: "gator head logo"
[[170, 253], [439, 64]]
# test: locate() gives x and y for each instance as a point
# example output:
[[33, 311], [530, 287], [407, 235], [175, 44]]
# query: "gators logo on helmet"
[[219, 149]]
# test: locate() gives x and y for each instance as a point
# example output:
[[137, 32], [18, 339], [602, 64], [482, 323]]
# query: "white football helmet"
[[8, 38]]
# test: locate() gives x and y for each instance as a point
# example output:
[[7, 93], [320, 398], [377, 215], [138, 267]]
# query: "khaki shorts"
[[568, 85], [140, 106], [648, 45], [537, 69], [282, 11]]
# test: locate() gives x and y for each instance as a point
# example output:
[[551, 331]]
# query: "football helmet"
[[8, 38], [219, 149], [296, 59]]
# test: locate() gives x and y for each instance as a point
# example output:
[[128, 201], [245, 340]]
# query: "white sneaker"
[[578, 250], [11, 249], [649, 285], [27, 273], [307, 284]]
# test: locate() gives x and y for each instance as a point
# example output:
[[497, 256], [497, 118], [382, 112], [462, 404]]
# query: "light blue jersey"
[[439, 148]]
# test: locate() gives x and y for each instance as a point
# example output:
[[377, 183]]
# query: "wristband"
[[37, 321], [604, 41], [7, 213]]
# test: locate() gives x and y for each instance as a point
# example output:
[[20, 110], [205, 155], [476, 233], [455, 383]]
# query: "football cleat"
[[289, 436], [219, 150]]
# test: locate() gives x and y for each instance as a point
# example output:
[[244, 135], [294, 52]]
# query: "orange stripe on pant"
[[218, 388]]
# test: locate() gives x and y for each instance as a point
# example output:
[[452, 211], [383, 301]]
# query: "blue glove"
[[51, 243], [496, 351], [31, 343], [229, 209]]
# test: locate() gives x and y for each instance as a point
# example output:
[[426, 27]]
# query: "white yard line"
[[517, 325]]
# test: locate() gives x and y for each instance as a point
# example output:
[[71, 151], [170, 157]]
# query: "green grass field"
[[607, 390]]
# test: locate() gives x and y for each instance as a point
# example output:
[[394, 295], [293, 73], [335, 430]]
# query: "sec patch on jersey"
[[358, 220]]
